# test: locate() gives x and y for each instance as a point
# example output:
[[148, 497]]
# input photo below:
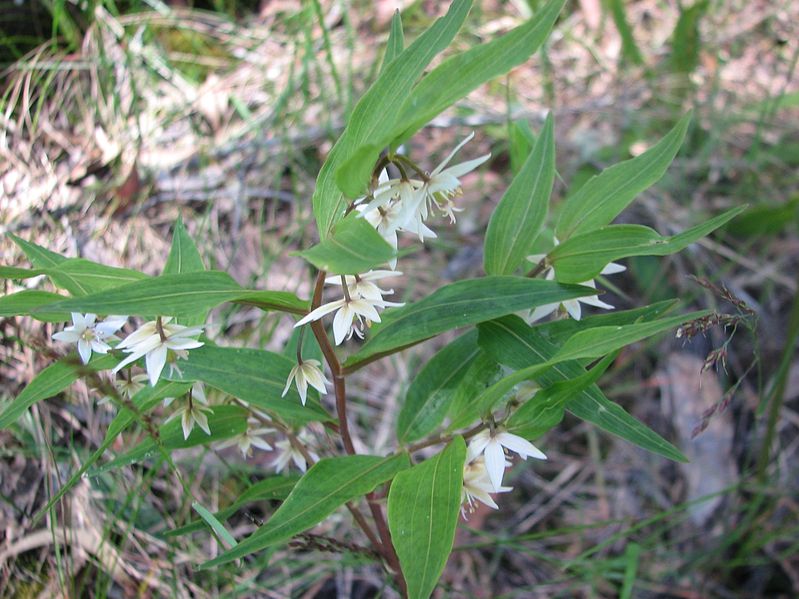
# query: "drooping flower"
[[129, 387], [572, 306], [477, 486], [193, 410], [307, 373], [492, 446], [249, 438], [289, 453], [154, 340], [358, 307], [90, 336]]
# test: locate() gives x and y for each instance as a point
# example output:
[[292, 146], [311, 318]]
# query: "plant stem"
[[384, 546]]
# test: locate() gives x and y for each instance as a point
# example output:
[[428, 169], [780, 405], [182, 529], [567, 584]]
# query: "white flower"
[[477, 486], [89, 336], [307, 373], [289, 453], [153, 340], [572, 306], [492, 445], [250, 438], [361, 301], [442, 185], [129, 387], [193, 411]]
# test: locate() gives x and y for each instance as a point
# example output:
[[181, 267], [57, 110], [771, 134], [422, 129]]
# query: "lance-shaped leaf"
[[183, 254], [513, 343], [167, 295], [482, 373], [396, 41], [582, 257], [83, 277], [423, 508], [460, 74], [328, 484], [274, 487], [281, 301], [518, 218], [354, 247], [51, 381], [605, 195], [14, 272], [26, 302], [460, 304], [375, 115], [39, 256], [225, 422], [253, 375], [432, 390], [545, 409]]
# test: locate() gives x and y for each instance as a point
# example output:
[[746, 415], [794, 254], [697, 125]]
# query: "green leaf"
[[520, 214], [629, 49], [433, 388], [51, 381], [482, 374], [605, 195], [183, 254], [167, 295], [281, 301], [582, 257], [328, 484], [83, 277], [13, 272], [423, 508], [218, 528], [376, 115], [225, 422], [40, 257], [25, 302], [354, 247], [460, 304], [255, 376], [144, 401], [274, 487], [546, 408], [513, 343], [557, 331], [396, 41], [460, 74], [521, 140]]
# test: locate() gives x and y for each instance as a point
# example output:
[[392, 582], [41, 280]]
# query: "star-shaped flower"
[[154, 340], [442, 185], [307, 373], [90, 336], [289, 453], [477, 486], [193, 411], [492, 445], [250, 438]]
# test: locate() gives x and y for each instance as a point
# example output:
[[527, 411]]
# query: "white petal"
[[155, 361], [85, 350], [321, 311], [179, 344], [110, 325], [542, 311], [612, 268], [441, 166], [594, 300], [302, 386], [573, 308], [187, 422], [202, 420], [461, 169], [478, 444], [520, 445], [495, 463], [289, 380], [342, 323], [67, 336]]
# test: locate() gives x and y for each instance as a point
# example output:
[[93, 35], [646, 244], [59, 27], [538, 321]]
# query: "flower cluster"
[[89, 335], [486, 463], [572, 307], [404, 204]]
